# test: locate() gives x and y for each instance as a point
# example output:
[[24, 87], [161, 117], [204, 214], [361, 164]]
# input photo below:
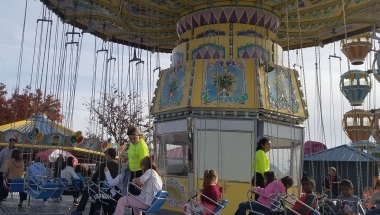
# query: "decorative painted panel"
[[184, 40], [55, 140], [224, 81], [249, 33], [209, 51], [211, 33], [253, 51], [92, 144], [177, 193], [229, 14], [15, 134], [177, 58], [172, 91], [281, 94]]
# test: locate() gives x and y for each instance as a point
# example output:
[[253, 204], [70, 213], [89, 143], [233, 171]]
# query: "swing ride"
[[228, 85]]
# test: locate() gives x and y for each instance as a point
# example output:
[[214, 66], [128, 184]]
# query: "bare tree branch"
[[121, 112]]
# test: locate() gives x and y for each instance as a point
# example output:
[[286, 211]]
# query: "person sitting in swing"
[[150, 182], [347, 203], [263, 205], [367, 195], [122, 179], [211, 190], [308, 198], [90, 191], [268, 178]]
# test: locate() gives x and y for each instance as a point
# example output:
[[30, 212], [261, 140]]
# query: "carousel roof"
[[341, 153], [149, 24], [48, 128], [39, 121]]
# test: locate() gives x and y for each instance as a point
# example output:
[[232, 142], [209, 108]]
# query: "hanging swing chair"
[[159, 200]]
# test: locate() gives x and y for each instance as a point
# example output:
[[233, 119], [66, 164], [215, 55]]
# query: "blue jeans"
[[373, 212], [244, 206]]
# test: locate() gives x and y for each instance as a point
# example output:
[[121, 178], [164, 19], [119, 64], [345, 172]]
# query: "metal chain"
[[348, 66], [220, 152], [345, 28], [288, 44]]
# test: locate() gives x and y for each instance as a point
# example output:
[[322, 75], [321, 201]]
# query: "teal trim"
[[216, 47], [251, 45]]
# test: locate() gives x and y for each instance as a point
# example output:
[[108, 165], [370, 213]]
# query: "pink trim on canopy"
[[52, 155]]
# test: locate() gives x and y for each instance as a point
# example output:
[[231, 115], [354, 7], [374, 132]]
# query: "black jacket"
[[99, 173], [335, 185]]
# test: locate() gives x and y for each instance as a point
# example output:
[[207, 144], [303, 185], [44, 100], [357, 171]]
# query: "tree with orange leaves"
[[21, 106]]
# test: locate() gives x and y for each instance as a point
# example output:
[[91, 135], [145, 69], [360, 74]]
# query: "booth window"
[[171, 152]]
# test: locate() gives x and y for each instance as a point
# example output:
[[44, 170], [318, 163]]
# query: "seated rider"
[[347, 203], [308, 198], [263, 205], [210, 189]]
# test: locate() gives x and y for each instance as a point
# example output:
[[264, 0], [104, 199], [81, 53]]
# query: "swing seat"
[[58, 192], [105, 190], [217, 210], [106, 186], [44, 192], [315, 211], [101, 190], [220, 205], [78, 184], [65, 184], [16, 185], [159, 200], [32, 184], [275, 203]]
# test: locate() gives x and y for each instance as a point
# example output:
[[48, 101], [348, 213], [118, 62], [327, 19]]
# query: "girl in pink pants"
[[130, 201], [150, 182]]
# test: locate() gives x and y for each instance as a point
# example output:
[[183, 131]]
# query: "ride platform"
[[64, 207]]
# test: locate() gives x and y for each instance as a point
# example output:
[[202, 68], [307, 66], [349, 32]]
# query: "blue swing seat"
[[57, 193], [274, 205], [221, 206], [65, 184], [159, 200], [315, 211], [217, 210], [78, 184], [17, 185], [43, 192]]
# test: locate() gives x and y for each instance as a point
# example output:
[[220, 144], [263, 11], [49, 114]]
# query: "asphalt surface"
[[53, 207]]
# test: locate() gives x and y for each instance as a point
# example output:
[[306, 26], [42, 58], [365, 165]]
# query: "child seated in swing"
[[375, 201], [210, 189], [347, 203], [308, 198], [367, 194], [267, 196]]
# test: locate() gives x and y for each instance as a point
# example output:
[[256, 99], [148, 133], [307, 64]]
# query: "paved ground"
[[10, 206]]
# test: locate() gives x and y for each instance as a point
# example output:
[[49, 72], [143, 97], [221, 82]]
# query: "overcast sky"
[[11, 20]]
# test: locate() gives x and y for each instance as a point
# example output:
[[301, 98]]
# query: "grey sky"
[[11, 20]]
